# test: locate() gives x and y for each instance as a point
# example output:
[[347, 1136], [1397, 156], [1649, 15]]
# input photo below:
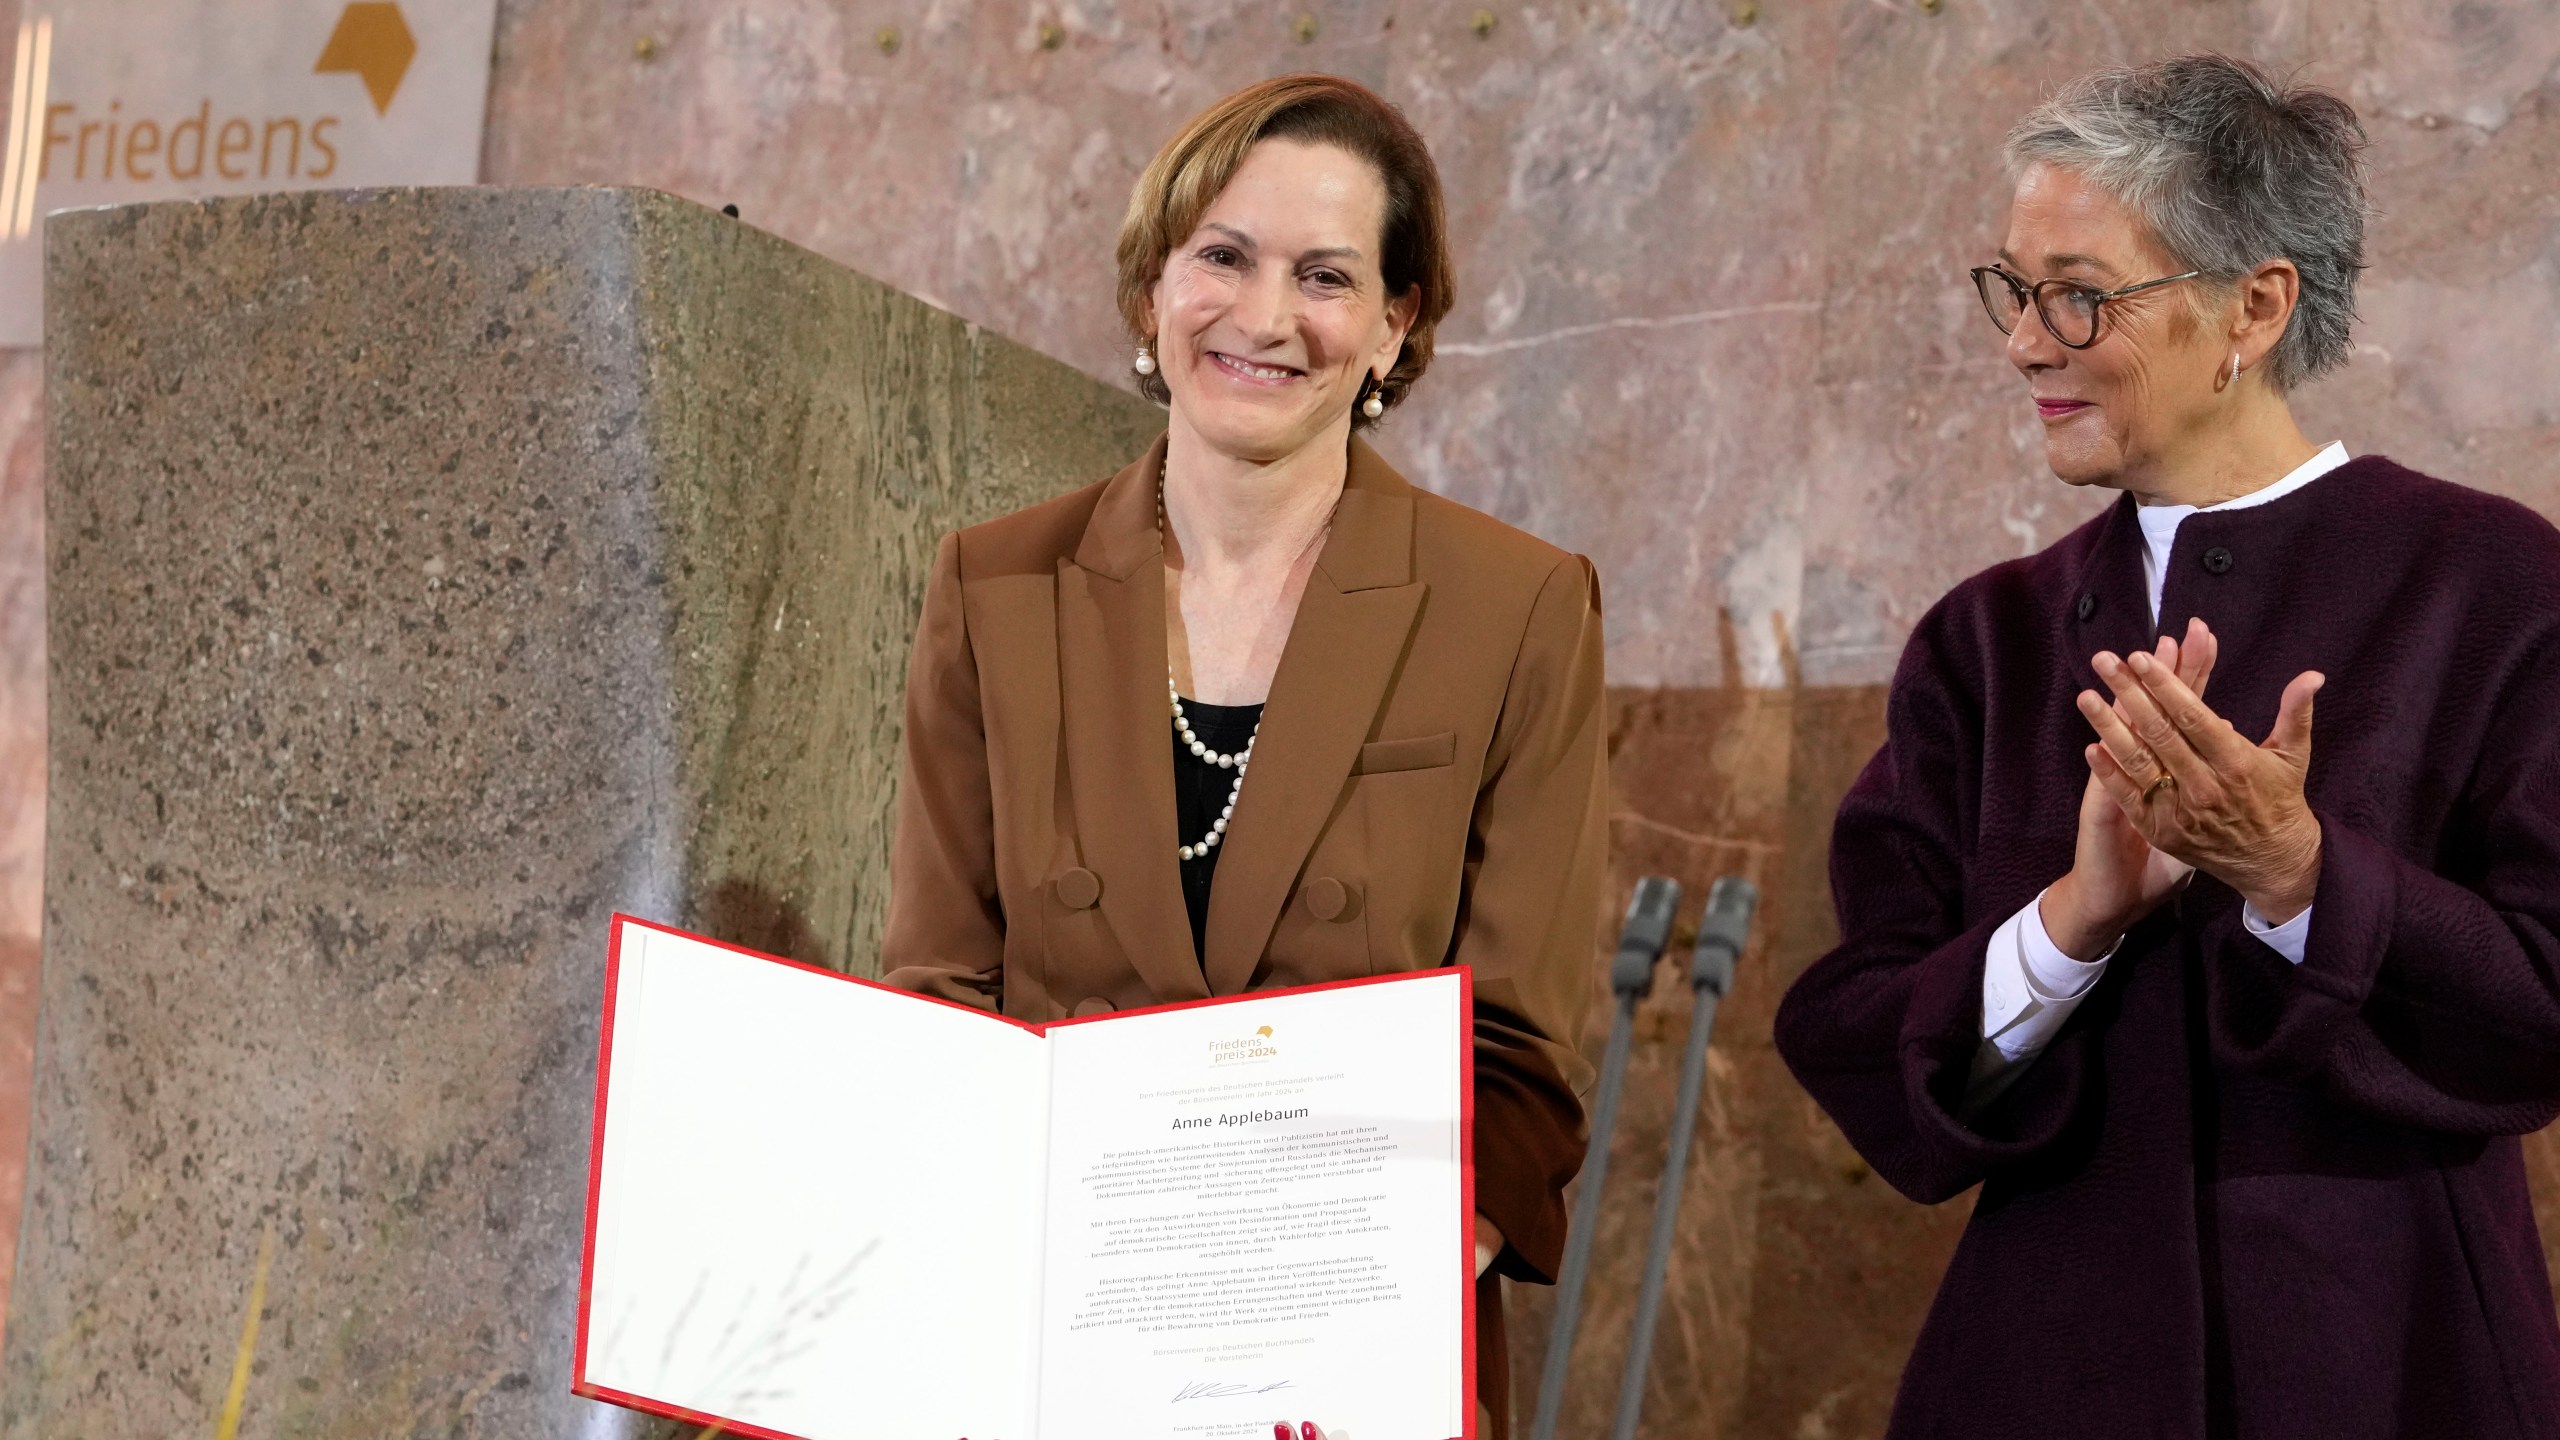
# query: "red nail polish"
[[1307, 1429], [1280, 1431]]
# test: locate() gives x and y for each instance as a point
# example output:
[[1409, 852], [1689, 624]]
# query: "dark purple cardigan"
[[2235, 1197]]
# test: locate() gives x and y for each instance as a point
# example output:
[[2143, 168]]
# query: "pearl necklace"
[[1230, 760]]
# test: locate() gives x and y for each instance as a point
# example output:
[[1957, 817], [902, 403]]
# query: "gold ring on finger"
[[2165, 782]]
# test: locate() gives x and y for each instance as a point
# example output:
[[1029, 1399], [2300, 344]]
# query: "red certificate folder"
[[822, 1209]]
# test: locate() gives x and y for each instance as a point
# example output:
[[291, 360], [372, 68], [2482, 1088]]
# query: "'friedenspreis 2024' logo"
[[1257, 1046]]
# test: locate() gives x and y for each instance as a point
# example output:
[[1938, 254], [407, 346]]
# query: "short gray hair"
[[2231, 170]]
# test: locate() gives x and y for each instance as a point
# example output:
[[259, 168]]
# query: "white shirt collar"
[[2160, 522]]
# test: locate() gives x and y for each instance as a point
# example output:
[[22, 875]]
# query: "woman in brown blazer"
[[1093, 677]]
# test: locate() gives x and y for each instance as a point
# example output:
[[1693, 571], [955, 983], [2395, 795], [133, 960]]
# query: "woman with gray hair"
[[2237, 1041]]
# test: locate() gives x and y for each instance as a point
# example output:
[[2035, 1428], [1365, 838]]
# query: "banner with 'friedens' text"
[[114, 101]]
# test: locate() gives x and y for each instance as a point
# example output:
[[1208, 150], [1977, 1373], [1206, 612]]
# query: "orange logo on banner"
[[372, 42]]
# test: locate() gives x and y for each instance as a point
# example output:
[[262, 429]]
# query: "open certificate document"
[[822, 1209]]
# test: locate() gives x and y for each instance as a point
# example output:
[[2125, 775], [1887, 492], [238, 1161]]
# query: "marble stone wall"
[[1712, 331], [1713, 327], [22, 734]]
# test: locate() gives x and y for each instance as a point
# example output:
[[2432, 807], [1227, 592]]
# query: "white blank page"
[[819, 1209]]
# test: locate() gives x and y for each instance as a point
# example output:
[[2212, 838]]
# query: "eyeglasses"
[[2069, 309]]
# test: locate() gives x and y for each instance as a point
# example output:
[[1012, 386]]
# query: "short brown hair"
[[1196, 164]]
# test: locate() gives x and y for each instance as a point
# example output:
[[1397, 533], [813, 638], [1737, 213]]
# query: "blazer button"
[[1328, 898], [2087, 607], [1078, 889], [1096, 1006], [2217, 561]]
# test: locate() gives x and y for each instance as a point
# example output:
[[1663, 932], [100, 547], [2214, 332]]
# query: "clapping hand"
[[2117, 875], [2197, 789]]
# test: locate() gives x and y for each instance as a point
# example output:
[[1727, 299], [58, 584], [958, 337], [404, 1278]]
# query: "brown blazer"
[[1428, 788]]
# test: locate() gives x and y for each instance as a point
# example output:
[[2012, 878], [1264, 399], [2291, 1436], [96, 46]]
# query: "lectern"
[[433, 573]]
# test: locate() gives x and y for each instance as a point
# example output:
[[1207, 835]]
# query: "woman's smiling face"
[[1273, 312], [2148, 386]]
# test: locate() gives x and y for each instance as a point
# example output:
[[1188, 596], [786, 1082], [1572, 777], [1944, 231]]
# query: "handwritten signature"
[[1220, 1390]]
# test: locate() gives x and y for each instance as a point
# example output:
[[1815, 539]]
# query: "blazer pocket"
[[1422, 752]]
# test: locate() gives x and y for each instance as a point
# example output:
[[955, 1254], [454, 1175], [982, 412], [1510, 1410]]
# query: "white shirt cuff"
[[2029, 988], [2056, 976], [2286, 939]]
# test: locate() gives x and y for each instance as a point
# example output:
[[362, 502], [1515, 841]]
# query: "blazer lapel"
[[1350, 630], [1119, 737]]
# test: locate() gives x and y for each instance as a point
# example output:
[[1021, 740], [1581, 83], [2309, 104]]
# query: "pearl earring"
[[1373, 407], [1145, 364]]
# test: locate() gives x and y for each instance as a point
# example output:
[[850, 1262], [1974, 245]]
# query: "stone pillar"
[[434, 573]]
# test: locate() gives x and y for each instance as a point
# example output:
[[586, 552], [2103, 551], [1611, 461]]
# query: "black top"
[[1200, 791]]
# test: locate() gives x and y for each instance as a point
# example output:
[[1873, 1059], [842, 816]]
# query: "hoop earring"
[[1145, 364], [2235, 371]]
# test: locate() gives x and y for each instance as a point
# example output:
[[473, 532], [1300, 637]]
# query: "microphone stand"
[[1640, 944], [1721, 932]]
